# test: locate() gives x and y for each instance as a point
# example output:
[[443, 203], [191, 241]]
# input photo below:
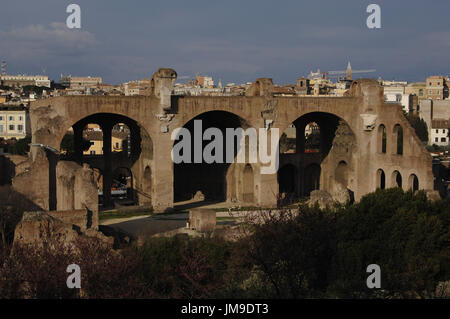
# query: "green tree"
[[68, 144], [21, 147], [290, 253], [404, 233], [419, 125]]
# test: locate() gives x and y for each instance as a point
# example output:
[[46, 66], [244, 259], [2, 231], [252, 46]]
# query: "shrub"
[[180, 267], [32, 271], [404, 233], [290, 252]]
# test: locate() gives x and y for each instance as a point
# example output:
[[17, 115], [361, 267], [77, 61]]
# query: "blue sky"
[[237, 41]]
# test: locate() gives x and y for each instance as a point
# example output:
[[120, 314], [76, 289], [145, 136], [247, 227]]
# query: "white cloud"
[[38, 41]]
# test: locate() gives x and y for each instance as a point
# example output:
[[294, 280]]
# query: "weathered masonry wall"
[[364, 150]]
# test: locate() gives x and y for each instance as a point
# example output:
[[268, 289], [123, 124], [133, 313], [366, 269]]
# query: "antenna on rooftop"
[[3, 67]]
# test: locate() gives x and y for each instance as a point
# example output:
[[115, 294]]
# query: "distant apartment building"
[[119, 141], [396, 94], [341, 88], [131, 89], [14, 122], [439, 132], [302, 87], [286, 90], [232, 89], [192, 88], [435, 113], [140, 87], [418, 89], [25, 80], [437, 87], [204, 81], [80, 83]]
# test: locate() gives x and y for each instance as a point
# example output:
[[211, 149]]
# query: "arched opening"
[[398, 139], [257, 88], [145, 191], [341, 173], [315, 134], [113, 144], [396, 179], [249, 183], [413, 182], [382, 140], [312, 178], [287, 184], [381, 179], [202, 149]]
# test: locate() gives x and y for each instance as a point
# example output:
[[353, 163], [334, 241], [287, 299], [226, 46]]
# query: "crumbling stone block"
[[323, 198], [76, 189], [43, 227], [432, 195], [340, 193], [81, 218], [202, 220], [39, 227]]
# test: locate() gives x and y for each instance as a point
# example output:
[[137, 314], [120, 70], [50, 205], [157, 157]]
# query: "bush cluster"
[[307, 253]]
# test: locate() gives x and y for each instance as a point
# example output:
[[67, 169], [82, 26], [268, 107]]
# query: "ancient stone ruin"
[[365, 144]]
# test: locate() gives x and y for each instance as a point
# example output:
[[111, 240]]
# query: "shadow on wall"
[[7, 170], [12, 207], [441, 178]]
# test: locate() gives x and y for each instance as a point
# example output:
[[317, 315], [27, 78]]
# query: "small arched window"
[[381, 179], [382, 142], [396, 179], [398, 139], [413, 182]]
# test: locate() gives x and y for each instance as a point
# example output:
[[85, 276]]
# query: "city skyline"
[[237, 42]]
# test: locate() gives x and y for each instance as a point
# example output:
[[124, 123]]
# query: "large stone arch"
[[338, 144], [49, 123], [141, 154], [343, 108], [213, 180], [192, 110]]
